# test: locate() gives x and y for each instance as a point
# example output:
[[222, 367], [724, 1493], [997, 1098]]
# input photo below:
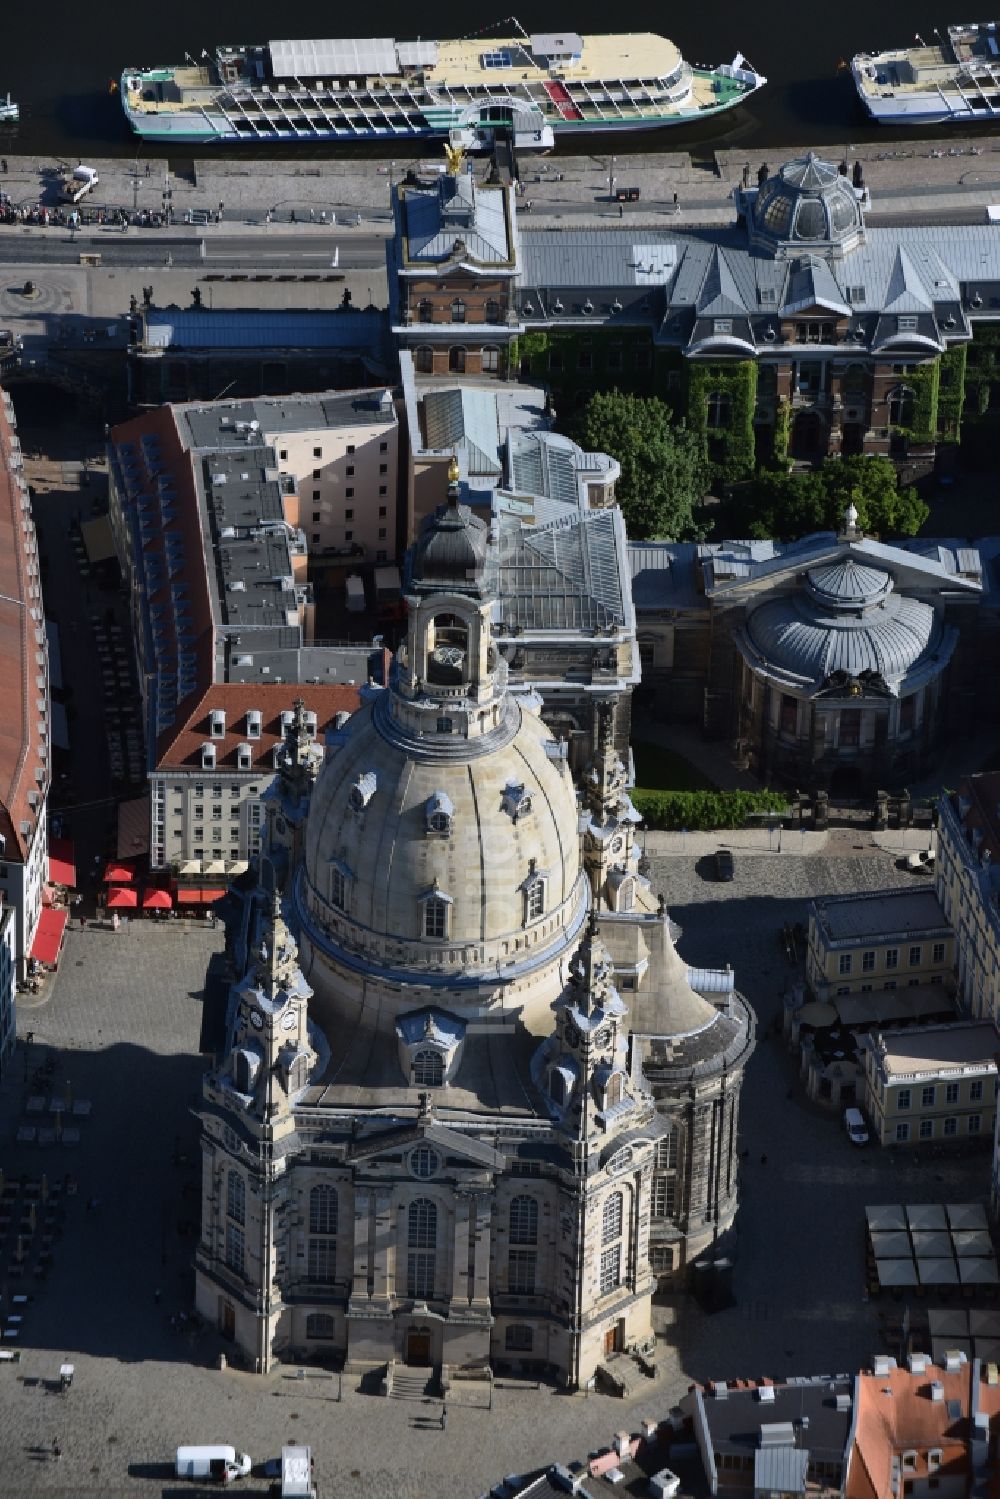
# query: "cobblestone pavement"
[[123, 1020]]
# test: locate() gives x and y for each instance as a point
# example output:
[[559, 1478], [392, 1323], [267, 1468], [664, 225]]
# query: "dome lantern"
[[807, 206]]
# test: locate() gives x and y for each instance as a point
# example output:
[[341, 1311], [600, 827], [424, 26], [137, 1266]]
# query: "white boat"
[[953, 78], [533, 87], [9, 111]]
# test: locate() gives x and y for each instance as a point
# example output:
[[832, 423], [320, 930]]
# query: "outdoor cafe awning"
[[122, 897], [191, 896], [62, 862], [49, 934], [118, 874], [156, 900]]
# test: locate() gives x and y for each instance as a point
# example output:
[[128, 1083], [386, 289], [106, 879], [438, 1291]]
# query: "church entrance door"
[[418, 1347], [613, 1339]]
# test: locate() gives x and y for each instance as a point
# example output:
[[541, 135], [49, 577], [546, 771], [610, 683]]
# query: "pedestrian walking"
[[444, 1418], [621, 210], [676, 204]]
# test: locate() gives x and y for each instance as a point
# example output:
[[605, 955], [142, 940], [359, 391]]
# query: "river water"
[[60, 71]]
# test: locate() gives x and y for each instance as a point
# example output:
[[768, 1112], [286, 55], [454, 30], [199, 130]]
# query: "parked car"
[[725, 868], [857, 1129]]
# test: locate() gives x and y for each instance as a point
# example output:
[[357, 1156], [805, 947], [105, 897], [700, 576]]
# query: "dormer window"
[[253, 723], [244, 757], [287, 718], [436, 914], [363, 790], [208, 756], [440, 815], [217, 720], [428, 1069], [516, 802], [312, 723]]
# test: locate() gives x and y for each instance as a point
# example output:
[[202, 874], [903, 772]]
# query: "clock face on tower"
[[288, 1021], [617, 844]]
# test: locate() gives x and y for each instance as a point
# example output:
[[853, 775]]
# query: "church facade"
[[465, 1086]]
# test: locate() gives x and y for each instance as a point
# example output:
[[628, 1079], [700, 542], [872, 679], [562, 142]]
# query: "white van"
[[857, 1129], [218, 1463]]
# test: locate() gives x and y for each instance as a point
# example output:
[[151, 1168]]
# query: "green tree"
[[664, 474], [786, 506]]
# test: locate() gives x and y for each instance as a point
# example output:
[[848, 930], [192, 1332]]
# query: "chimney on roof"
[[917, 1363], [936, 1389]]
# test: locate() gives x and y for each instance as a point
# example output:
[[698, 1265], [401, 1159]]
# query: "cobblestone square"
[[124, 1018]]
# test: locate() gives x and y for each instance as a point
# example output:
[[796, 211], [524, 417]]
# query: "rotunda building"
[[843, 679], [807, 207], [442, 858]]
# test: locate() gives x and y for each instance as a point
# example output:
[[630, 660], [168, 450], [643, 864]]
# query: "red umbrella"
[[156, 900], [121, 897], [119, 874]]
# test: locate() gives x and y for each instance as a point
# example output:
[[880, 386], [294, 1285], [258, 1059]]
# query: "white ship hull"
[[952, 81]]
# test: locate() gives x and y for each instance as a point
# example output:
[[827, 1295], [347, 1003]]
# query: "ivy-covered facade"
[[797, 334]]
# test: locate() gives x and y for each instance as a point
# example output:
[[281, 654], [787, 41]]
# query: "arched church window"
[[902, 404], [423, 1162], [236, 1197], [626, 896], [611, 1222], [323, 1210], [323, 1221], [535, 900], [524, 1220], [320, 1326], [428, 1069], [338, 889], [666, 1152], [435, 917], [614, 1089], [421, 1242]]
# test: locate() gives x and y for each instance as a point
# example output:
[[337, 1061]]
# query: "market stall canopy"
[[940, 1272], [885, 1218], [925, 1215], [122, 897], [892, 1246], [974, 1243], [931, 1245], [966, 1215], [118, 873], [979, 1272], [896, 1272]]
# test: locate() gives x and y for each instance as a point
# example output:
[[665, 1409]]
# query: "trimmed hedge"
[[704, 811]]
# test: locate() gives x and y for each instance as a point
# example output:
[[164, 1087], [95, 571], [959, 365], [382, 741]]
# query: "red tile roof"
[[180, 745], [896, 1414], [22, 746]]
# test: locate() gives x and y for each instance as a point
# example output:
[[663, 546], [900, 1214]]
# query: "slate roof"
[[457, 209], [24, 690], [942, 274]]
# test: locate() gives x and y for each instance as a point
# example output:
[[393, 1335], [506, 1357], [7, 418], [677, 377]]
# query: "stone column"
[[481, 1271], [460, 1288], [384, 1240], [362, 1206]]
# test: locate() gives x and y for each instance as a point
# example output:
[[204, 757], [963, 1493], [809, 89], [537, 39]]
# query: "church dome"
[[807, 204], [451, 548], [440, 862], [847, 618]]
